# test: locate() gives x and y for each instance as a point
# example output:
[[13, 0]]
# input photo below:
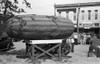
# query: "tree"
[[10, 7]]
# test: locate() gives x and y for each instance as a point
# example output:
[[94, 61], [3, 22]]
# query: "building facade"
[[84, 15]]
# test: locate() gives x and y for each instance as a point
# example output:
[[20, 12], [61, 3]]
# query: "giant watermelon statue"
[[38, 27]]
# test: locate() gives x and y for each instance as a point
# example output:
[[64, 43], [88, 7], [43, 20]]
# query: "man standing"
[[72, 44], [76, 38]]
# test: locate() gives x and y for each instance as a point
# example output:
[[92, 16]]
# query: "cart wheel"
[[91, 54]]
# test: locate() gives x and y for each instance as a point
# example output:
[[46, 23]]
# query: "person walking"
[[84, 39], [72, 44], [71, 41], [76, 39]]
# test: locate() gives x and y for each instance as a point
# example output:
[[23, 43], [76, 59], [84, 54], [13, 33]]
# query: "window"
[[96, 24], [96, 14], [82, 14], [89, 14]]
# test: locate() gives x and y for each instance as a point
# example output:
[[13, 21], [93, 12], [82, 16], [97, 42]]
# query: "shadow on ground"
[[13, 52], [21, 54]]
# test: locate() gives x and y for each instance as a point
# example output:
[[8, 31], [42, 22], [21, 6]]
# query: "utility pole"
[[78, 11]]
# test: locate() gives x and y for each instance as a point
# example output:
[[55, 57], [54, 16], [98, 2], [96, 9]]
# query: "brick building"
[[89, 15]]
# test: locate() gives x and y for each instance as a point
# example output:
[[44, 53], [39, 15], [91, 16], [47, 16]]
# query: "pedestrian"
[[71, 41], [65, 46], [76, 39], [72, 44], [89, 40], [84, 39], [94, 49], [81, 39]]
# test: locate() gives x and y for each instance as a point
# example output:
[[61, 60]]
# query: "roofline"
[[77, 5]]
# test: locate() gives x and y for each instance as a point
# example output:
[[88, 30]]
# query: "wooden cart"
[[34, 46]]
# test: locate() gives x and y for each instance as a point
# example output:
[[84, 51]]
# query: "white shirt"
[[75, 36], [70, 40]]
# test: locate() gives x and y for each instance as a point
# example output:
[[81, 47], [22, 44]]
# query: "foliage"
[[7, 10], [11, 7]]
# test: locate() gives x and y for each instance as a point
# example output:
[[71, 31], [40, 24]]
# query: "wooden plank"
[[33, 53], [59, 52], [46, 41]]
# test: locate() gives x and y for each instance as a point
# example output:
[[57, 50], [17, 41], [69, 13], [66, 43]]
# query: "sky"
[[46, 7]]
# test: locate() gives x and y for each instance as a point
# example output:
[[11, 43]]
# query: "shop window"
[[89, 14], [96, 24], [96, 14], [82, 14]]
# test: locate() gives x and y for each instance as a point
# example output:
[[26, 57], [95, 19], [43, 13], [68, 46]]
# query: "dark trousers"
[[72, 47], [76, 41]]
